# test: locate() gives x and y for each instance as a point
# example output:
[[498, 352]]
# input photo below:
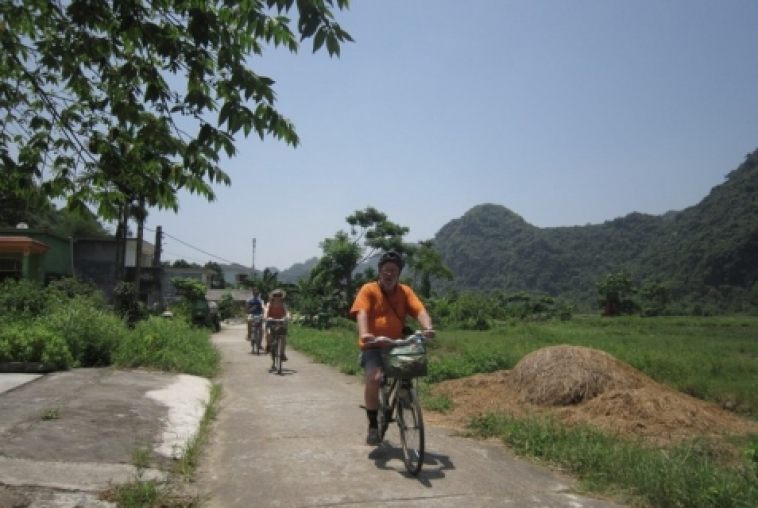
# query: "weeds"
[[50, 414], [684, 475], [188, 462], [169, 345], [147, 492]]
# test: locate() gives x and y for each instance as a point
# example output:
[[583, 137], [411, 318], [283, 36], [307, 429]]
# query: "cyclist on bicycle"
[[253, 307], [380, 309], [276, 309]]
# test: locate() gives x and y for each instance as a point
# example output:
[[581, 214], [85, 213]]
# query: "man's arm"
[[362, 319], [426, 324]]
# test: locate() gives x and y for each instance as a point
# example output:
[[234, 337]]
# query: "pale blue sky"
[[566, 112]]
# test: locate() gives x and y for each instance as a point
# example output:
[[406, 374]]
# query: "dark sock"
[[371, 413]]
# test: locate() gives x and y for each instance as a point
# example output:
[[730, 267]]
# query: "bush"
[[21, 299], [91, 334], [226, 307], [33, 342], [168, 344], [126, 303]]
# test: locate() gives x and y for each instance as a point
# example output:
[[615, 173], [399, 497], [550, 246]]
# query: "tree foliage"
[[188, 288], [370, 231], [217, 278], [616, 292], [110, 103], [426, 263]]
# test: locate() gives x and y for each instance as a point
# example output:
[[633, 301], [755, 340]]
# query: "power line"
[[196, 248]]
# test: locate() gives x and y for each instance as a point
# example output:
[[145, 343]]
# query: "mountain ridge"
[[708, 246]]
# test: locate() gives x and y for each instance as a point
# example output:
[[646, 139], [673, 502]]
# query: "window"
[[10, 268]]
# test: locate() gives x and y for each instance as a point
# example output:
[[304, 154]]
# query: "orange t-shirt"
[[382, 319]]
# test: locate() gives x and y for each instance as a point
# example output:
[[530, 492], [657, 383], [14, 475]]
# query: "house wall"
[[53, 264], [95, 262], [148, 251]]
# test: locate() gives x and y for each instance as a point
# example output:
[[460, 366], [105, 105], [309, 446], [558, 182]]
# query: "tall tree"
[[217, 279], [426, 263], [616, 292], [113, 103], [370, 231]]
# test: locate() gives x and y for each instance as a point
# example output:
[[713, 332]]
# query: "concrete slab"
[[11, 381]]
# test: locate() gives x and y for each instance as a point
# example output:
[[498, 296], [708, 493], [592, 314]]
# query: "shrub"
[[170, 345], [126, 303], [70, 287], [21, 299], [33, 342], [90, 333], [226, 307]]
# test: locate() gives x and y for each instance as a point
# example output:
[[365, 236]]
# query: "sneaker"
[[372, 438]]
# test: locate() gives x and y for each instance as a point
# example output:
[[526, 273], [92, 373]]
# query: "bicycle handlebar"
[[417, 336]]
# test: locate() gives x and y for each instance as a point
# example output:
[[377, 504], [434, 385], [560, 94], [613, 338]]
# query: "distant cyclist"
[[253, 307], [380, 309], [276, 309]]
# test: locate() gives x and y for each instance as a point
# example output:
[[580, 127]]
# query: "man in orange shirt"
[[380, 309]]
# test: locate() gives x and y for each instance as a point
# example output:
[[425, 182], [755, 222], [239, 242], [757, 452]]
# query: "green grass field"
[[712, 358]]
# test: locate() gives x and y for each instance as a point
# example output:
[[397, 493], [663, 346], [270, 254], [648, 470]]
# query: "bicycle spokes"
[[411, 425]]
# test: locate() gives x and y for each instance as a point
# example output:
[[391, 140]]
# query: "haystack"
[[579, 385], [565, 375]]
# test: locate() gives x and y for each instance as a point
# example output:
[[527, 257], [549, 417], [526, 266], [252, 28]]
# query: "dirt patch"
[[581, 385]]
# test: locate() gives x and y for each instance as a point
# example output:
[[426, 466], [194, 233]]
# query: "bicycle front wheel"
[[411, 424], [383, 414]]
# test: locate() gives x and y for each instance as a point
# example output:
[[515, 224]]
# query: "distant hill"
[[295, 272], [706, 252]]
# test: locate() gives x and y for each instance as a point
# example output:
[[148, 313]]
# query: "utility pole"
[[253, 267]]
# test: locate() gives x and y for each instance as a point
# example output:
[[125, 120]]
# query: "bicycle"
[[403, 362], [256, 333], [276, 332]]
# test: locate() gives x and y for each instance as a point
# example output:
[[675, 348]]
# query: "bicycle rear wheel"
[[273, 346], [256, 340], [280, 354], [411, 424]]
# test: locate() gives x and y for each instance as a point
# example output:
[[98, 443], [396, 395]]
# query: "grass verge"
[[149, 493], [691, 474]]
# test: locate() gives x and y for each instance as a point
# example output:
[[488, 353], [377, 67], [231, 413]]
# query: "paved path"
[[297, 440]]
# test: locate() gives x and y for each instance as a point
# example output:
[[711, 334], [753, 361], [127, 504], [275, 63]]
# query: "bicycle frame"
[[277, 330], [399, 403], [256, 333]]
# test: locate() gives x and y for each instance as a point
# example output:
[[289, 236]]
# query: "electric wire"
[[163, 232]]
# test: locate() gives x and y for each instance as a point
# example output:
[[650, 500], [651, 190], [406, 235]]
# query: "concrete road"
[[297, 440]]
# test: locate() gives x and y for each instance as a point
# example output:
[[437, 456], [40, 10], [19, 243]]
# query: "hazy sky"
[[566, 112]]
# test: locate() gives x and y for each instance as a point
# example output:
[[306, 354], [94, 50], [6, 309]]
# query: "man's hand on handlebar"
[[428, 333], [373, 342]]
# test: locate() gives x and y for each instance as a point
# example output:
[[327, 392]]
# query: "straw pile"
[[567, 375], [580, 385]]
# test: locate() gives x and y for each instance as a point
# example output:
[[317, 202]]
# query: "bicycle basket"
[[405, 361], [278, 327]]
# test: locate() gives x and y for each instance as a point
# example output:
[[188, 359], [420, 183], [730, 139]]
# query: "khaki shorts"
[[371, 358]]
